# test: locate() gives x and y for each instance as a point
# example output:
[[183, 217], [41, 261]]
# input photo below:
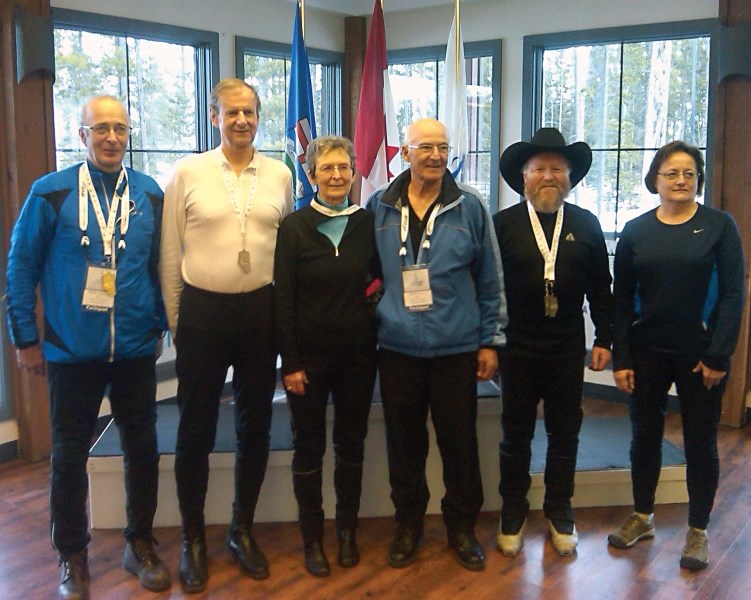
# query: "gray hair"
[[231, 83], [324, 145]]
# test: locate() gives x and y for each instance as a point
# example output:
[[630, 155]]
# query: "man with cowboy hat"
[[553, 255]]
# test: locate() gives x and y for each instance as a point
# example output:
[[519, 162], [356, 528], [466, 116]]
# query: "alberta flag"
[[453, 111], [301, 121], [376, 133]]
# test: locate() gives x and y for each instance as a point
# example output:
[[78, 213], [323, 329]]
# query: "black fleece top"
[[320, 290]]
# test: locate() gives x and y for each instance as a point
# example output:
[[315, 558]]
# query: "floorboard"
[[649, 571]]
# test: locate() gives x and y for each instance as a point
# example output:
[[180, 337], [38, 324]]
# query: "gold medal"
[[108, 282], [243, 259]]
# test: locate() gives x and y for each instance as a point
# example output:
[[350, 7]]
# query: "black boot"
[[141, 560], [194, 568], [467, 549], [74, 576], [403, 549], [246, 551], [315, 559], [349, 555]]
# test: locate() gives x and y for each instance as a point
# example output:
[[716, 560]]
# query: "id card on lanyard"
[[418, 297]]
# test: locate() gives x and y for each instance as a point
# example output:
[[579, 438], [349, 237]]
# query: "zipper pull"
[[336, 250]]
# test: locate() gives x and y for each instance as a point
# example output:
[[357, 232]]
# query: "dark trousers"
[[700, 414], [447, 387], [524, 382], [215, 332], [349, 379], [76, 392]]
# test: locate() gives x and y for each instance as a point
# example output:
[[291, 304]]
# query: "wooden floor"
[[28, 566]]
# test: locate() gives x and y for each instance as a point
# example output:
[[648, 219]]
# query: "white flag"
[[453, 110]]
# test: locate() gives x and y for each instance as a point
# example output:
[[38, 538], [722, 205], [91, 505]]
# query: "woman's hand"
[[710, 376], [295, 382]]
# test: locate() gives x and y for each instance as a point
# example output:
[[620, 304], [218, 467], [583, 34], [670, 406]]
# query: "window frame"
[[205, 42], [484, 48], [279, 50], [534, 47]]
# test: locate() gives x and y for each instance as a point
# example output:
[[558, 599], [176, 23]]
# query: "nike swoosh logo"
[[698, 230]]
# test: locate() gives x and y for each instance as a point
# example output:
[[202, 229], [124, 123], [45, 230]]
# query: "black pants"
[[76, 392], [349, 378], [215, 332], [524, 382], [700, 414], [447, 387]]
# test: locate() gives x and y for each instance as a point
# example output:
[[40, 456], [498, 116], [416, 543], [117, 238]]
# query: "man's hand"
[[31, 359], [295, 382], [710, 376], [487, 363], [624, 380], [600, 358]]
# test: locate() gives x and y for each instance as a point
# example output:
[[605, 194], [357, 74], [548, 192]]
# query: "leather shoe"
[[403, 549], [74, 576], [315, 560], [242, 545], [349, 555], [194, 570], [467, 550], [141, 560]]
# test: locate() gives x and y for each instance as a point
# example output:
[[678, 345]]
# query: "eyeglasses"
[[428, 148], [328, 170], [673, 175], [104, 128]]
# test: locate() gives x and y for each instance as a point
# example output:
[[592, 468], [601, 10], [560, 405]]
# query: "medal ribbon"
[[232, 191], [87, 192], [548, 254]]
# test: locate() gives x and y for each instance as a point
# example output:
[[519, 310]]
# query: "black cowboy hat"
[[547, 139]]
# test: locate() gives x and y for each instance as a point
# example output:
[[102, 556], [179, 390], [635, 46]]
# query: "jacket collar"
[[450, 191]]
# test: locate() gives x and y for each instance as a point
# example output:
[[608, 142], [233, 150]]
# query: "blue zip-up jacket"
[[46, 249], [466, 275]]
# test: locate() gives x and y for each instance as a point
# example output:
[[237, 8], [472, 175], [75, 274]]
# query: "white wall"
[[507, 20]]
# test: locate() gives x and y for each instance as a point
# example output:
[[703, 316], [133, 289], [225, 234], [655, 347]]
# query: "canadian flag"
[[376, 132]]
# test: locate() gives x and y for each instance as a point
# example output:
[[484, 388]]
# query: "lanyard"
[[232, 191], [549, 254], [86, 193], [405, 227]]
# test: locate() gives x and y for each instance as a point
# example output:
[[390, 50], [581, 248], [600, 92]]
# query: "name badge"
[[99, 291], [416, 283]]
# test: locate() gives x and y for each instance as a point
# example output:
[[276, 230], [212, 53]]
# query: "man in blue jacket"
[[441, 320], [89, 236]]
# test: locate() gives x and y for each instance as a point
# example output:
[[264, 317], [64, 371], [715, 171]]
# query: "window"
[[162, 74], [416, 77], [626, 92], [266, 66]]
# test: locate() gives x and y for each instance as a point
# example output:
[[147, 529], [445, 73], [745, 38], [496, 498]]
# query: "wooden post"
[[27, 151], [731, 170]]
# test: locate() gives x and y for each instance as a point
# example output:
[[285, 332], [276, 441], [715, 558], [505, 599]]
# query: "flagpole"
[[302, 17], [456, 33]]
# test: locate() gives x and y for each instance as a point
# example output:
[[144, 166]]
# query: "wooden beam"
[[731, 171], [355, 40], [27, 151]]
